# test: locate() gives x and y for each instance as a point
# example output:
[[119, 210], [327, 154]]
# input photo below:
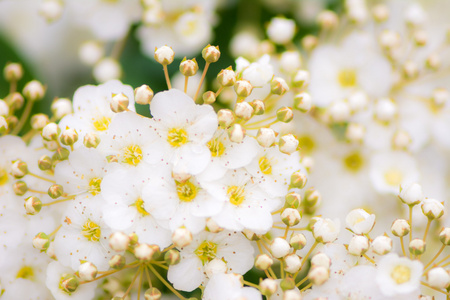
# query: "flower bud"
[[61, 154], [279, 247], [285, 114], [172, 257], [321, 260], [107, 69], [51, 132], [152, 294], [209, 97], [287, 284], [432, 208], [400, 227], [236, 133], [41, 241], [440, 97], [181, 237], [325, 230], [134, 238], [417, 246], [309, 42], [3, 125], [263, 262], [292, 295], [328, 19], [292, 200], [164, 55], [13, 72], [225, 117], [38, 121], [69, 283], [411, 194], [268, 287], [188, 67], [292, 263], [433, 61], [143, 95], [281, 30], [312, 198], [61, 107], [339, 111], [226, 77], [359, 221], [444, 236], [243, 110], [290, 216], [211, 54], [243, 88], [382, 245], [119, 102], [19, 168], [212, 226], [55, 191], [51, 251], [34, 90], [410, 69], [278, 86], [91, 140], [258, 107], [301, 79], [32, 205], [318, 275], [303, 102], [87, 271], [297, 241], [15, 101], [4, 108], [265, 137], [45, 163], [11, 122], [90, 52], [385, 109], [380, 12], [51, 10], [69, 137], [438, 278], [358, 245], [215, 266], [298, 180], [20, 188], [119, 241], [288, 144], [117, 262], [251, 235], [355, 132]]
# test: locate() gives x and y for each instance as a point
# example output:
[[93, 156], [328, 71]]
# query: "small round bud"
[[51, 132], [225, 117], [288, 144], [51, 10], [433, 61], [152, 294], [211, 54], [164, 55], [15, 101], [38, 121], [45, 163], [41, 241], [312, 198], [298, 180], [382, 245], [188, 67], [410, 69], [20, 188], [432, 208], [117, 262], [328, 19], [19, 168], [143, 95], [420, 38], [325, 230], [385, 110], [32, 205], [119, 102], [359, 221], [243, 88], [172, 257], [13, 72], [134, 238], [285, 114], [69, 137], [226, 77], [278, 86], [281, 30], [440, 97], [243, 110], [209, 97], [215, 266], [61, 107], [301, 79], [90, 52], [268, 287], [212, 226], [34, 90], [400, 227], [266, 137], [91, 140], [181, 237], [4, 108], [279, 247], [380, 12], [290, 216], [55, 191], [318, 275], [298, 241], [417, 246], [411, 194], [119, 241], [355, 132], [321, 260], [358, 245], [339, 111], [287, 283], [61, 154], [87, 271], [258, 107], [251, 235], [3, 125], [11, 122], [309, 42], [302, 102], [292, 295], [438, 278], [444, 236], [263, 262], [107, 69], [292, 200], [236, 133], [69, 283], [292, 263]]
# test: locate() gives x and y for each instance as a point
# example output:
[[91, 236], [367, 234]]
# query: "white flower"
[[398, 275], [359, 221], [258, 73], [228, 286]]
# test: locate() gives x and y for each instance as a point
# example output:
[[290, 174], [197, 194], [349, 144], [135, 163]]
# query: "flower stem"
[[434, 258], [168, 285], [166, 74], [201, 80], [23, 118]]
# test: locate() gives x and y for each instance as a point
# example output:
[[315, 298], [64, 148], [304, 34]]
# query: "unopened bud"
[[143, 95], [266, 137], [278, 86], [385, 109], [55, 191], [144, 252], [301, 80], [432, 208], [3, 125], [438, 278], [285, 114], [258, 107], [91, 140], [225, 118], [32, 205], [417, 246], [401, 140], [34, 90], [51, 10], [318, 275], [172, 257], [69, 283], [444, 236], [4, 108], [152, 294], [433, 61], [328, 19], [38, 121], [20, 188], [287, 283], [411, 194], [382, 245], [117, 262], [263, 262], [440, 97], [15, 100], [13, 72], [119, 102], [211, 54], [292, 200], [321, 259], [188, 67], [312, 197], [410, 69], [181, 237], [243, 88], [358, 245], [290, 216], [309, 42], [279, 247], [51, 132], [41, 241], [380, 12], [355, 132], [292, 295], [298, 241], [226, 77], [19, 168], [209, 97], [288, 144], [400, 227], [61, 154], [268, 287], [292, 263], [61, 107], [119, 241], [212, 226], [69, 137], [298, 180], [420, 38], [45, 163], [243, 110], [164, 55], [251, 235], [87, 271], [236, 133], [134, 238]]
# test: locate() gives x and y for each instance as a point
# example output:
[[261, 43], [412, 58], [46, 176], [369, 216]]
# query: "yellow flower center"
[[94, 186], [102, 123], [306, 144], [132, 155], [236, 194], [177, 137], [25, 272], [401, 274], [347, 78], [264, 165], [3, 176], [216, 147], [189, 28], [140, 207], [393, 177], [186, 191], [354, 162], [91, 231], [206, 251]]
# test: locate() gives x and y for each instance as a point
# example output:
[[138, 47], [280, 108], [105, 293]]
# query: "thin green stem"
[[23, 118], [168, 285], [201, 80]]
